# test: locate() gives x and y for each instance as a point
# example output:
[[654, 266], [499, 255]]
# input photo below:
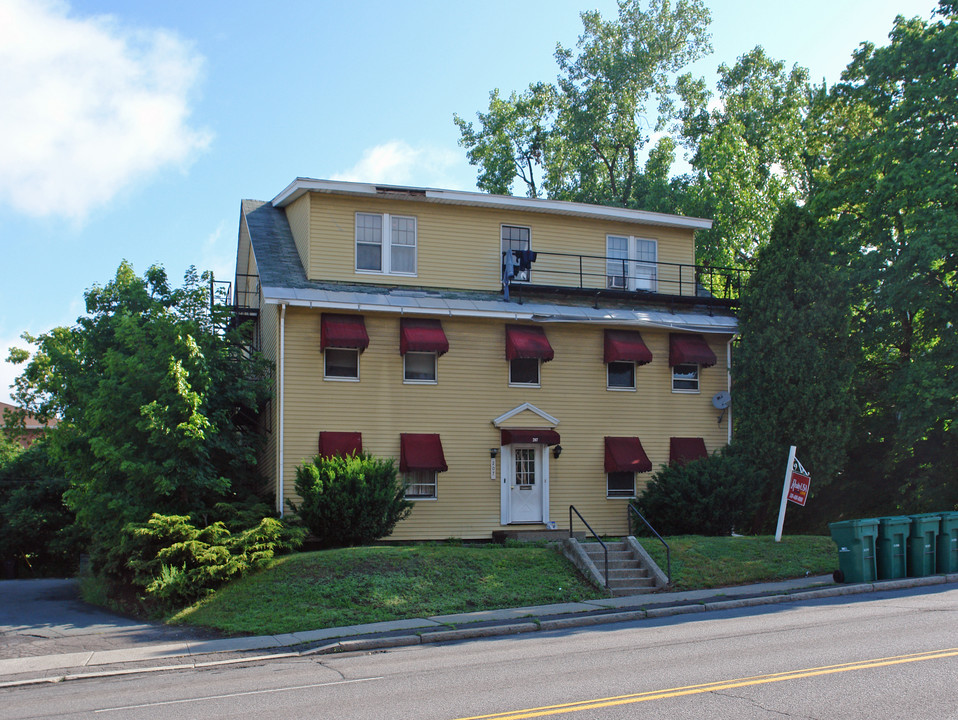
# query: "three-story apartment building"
[[516, 356]]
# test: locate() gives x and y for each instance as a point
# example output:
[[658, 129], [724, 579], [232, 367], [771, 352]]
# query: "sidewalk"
[[146, 657]]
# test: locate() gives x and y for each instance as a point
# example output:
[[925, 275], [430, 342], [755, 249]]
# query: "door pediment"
[[525, 415]]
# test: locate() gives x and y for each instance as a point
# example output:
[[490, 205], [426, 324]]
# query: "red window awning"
[[690, 349], [421, 451], [527, 341], [525, 436], [626, 346], [343, 331], [340, 443], [625, 454], [685, 450], [421, 335]]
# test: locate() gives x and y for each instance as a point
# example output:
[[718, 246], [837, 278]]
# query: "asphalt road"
[[884, 655]]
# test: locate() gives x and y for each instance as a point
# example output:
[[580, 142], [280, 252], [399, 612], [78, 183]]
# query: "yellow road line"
[[714, 686]]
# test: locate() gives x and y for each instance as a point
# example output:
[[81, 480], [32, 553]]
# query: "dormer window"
[[386, 243]]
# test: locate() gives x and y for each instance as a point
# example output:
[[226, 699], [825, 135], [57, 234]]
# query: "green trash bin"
[[892, 546], [946, 556], [856, 550], [922, 544]]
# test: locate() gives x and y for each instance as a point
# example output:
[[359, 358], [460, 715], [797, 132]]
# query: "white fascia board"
[[301, 186], [688, 324]]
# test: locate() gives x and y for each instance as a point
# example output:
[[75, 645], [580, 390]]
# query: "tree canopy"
[[148, 393]]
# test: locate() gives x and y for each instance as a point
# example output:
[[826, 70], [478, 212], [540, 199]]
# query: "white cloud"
[[398, 163], [9, 371], [88, 107]]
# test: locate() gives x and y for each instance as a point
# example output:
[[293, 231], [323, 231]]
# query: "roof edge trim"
[[300, 186]]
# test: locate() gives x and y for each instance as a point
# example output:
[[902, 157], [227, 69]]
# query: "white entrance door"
[[526, 484]]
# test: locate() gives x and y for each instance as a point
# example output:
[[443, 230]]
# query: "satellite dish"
[[721, 400]]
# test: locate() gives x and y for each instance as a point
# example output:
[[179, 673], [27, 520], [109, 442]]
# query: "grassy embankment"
[[350, 586]]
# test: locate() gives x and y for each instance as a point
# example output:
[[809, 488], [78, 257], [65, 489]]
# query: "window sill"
[[341, 379], [420, 382], [619, 389], [360, 271], [620, 497], [686, 392], [421, 499]]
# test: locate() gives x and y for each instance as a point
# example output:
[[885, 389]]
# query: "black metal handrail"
[[668, 552], [604, 546], [570, 270]]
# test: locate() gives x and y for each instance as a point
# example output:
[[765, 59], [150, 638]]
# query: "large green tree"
[[148, 391], [793, 365], [750, 153], [889, 190], [584, 136]]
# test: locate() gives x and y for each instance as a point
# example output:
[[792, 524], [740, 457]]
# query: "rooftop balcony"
[[618, 278]]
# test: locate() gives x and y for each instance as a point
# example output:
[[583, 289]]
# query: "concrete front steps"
[[631, 570]]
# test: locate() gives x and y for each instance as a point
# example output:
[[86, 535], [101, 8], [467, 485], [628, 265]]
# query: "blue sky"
[[133, 130]]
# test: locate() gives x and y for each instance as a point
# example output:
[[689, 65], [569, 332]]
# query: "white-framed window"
[[517, 238], [420, 367], [386, 243], [621, 375], [524, 371], [421, 484], [341, 363], [631, 263], [685, 378], [620, 485]]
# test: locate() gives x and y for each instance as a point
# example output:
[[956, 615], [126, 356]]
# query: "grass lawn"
[[351, 586], [707, 562]]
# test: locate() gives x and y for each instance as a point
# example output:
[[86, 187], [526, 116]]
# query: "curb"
[[493, 629]]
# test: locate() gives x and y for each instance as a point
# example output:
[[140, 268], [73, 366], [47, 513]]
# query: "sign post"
[[795, 488]]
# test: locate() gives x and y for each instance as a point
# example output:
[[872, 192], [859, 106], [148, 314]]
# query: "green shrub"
[[175, 563], [711, 496], [37, 529], [350, 500]]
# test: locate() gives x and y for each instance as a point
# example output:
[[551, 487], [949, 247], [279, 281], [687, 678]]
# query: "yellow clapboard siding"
[[472, 390], [459, 247], [298, 214]]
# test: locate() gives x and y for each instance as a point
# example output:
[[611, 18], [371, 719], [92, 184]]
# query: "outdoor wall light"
[[493, 452], [557, 451]]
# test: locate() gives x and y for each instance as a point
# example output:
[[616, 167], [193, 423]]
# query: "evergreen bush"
[[175, 563], [711, 496], [350, 500]]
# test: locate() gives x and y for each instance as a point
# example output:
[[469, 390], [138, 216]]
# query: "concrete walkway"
[[143, 651]]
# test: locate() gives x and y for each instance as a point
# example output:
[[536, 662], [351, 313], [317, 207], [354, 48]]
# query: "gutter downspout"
[[728, 370], [282, 399]]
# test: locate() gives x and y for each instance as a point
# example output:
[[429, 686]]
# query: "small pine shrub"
[[176, 563], [711, 496], [352, 500]]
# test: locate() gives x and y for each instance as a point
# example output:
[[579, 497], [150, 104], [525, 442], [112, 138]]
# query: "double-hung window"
[[517, 239], [631, 263], [620, 484], [421, 484], [419, 367], [386, 243], [685, 378]]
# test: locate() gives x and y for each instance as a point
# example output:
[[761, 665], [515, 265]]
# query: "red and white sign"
[[798, 486]]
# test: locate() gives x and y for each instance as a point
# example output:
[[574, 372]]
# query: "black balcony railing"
[[597, 274]]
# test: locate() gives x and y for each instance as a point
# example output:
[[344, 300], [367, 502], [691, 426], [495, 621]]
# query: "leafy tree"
[[147, 392], [585, 134], [889, 190], [749, 153], [350, 500], [36, 528], [793, 366]]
